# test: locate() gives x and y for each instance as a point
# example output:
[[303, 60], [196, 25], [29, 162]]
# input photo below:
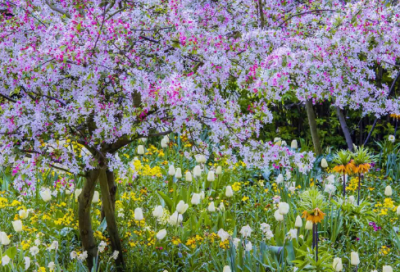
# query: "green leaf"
[[167, 200]]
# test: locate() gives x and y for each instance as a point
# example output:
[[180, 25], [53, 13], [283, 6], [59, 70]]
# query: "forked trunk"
[[313, 128], [345, 129]]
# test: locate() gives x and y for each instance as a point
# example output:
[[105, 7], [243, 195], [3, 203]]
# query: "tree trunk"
[[345, 129], [110, 218], [113, 191], [85, 222], [313, 128]]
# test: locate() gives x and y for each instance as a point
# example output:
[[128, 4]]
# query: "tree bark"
[[85, 222], [110, 218], [345, 129], [113, 191], [313, 128]]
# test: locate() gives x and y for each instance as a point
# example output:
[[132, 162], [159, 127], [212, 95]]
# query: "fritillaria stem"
[[344, 184], [315, 240], [359, 187]]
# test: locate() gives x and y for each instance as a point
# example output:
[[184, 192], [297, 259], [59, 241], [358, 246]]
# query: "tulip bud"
[[4, 240], [337, 264], [284, 143], [17, 225], [352, 199], [181, 207], [178, 173], [161, 234], [175, 219], [46, 195], [188, 176], [23, 214], [398, 210], [228, 191], [299, 222], [388, 191], [387, 268], [227, 269], [294, 144], [77, 193], [143, 140], [200, 158], [278, 216], [283, 208], [196, 199], [166, 139], [309, 225], [219, 170], [211, 176], [202, 195], [221, 207], [324, 163], [197, 171], [158, 211], [140, 150], [96, 197], [164, 144], [354, 259], [277, 141], [171, 170], [139, 214], [211, 207]]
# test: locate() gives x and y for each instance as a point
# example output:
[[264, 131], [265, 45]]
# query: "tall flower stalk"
[[344, 165], [362, 164]]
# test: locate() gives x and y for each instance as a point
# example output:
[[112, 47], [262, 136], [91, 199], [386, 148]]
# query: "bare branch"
[[57, 9]]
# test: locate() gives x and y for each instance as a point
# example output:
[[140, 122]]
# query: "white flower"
[[37, 242], [269, 235], [211, 207], [51, 265], [143, 140], [249, 246], [354, 259], [188, 176], [197, 171], [5, 260], [77, 193], [27, 262], [391, 138], [330, 189], [45, 195], [4, 240], [278, 216], [139, 214], [102, 246], [54, 245], [140, 150], [166, 139], [171, 170], [277, 141], [294, 144], [279, 179], [158, 211], [96, 197], [17, 225], [34, 250], [352, 199], [227, 268], [115, 254], [284, 143], [299, 222], [73, 255], [309, 225], [23, 213], [324, 163], [164, 143], [83, 256], [292, 234], [288, 175], [331, 179], [175, 219], [283, 207], [202, 195], [219, 170], [228, 191], [223, 235], [387, 268], [265, 227], [337, 264], [236, 242], [221, 207], [246, 231], [388, 191], [161, 234], [195, 199], [398, 210], [200, 158], [181, 207], [178, 173], [210, 176]]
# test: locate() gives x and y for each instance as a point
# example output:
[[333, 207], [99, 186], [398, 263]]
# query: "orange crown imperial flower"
[[316, 216], [362, 168]]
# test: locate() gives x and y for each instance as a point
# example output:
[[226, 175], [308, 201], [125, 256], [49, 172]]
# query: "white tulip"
[[279, 179], [283, 207], [210, 176], [171, 170], [77, 193], [324, 163], [188, 176], [388, 191], [211, 207], [139, 214], [158, 211], [175, 219], [197, 171], [337, 264], [181, 207], [46, 195], [178, 173], [164, 144], [202, 195], [96, 197], [278, 216], [387, 268], [23, 213], [166, 139], [277, 141], [143, 140], [219, 170], [27, 262], [331, 179], [299, 222], [51, 265], [5, 260], [17, 225], [354, 259], [221, 207], [195, 199], [294, 144], [352, 199], [4, 240], [398, 210], [228, 191], [292, 234], [161, 234], [140, 150], [309, 225], [227, 268]]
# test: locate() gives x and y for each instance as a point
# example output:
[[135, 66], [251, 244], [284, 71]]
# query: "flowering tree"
[[104, 74]]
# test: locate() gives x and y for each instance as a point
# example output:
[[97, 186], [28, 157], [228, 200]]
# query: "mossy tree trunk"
[[313, 128]]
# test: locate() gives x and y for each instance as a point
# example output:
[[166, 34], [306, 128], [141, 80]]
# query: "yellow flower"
[[236, 186], [245, 198]]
